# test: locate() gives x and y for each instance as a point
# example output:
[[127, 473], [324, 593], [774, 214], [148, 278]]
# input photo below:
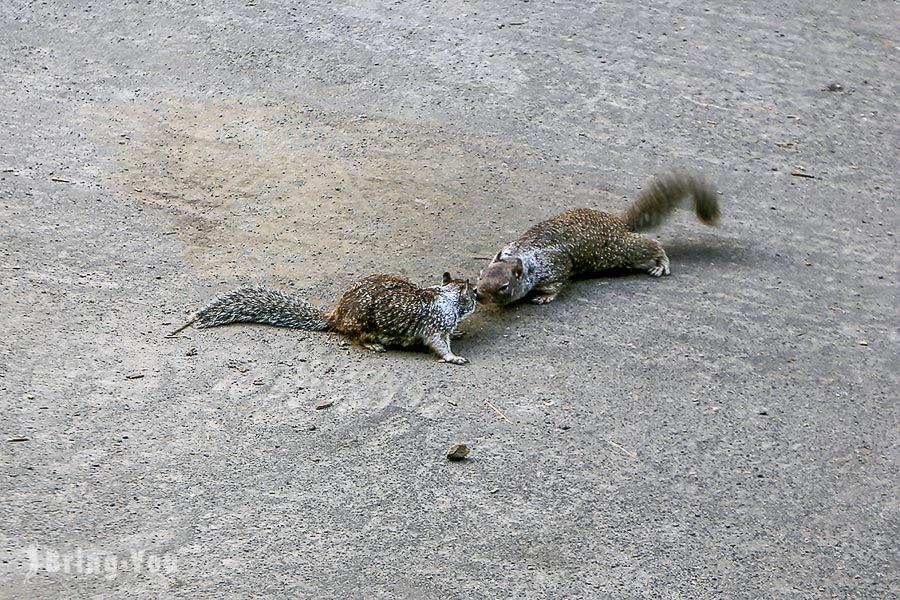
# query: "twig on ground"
[[622, 448], [497, 410]]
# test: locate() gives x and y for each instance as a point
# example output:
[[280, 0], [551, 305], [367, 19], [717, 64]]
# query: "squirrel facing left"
[[584, 242], [375, 311]]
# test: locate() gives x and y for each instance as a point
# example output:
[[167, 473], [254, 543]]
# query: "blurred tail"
[[259, 305], [664, 195]]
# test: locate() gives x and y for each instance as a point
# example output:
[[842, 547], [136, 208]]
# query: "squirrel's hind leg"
[[368, 341], [648, 255], [661, 266]]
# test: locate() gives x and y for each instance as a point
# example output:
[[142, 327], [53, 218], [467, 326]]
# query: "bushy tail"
[[259, 305], [664, 195]]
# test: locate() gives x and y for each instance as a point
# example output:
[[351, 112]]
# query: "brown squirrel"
[[585, 241], [375, 311]]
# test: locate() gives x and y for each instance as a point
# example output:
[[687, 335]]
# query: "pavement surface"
[[730, 431]]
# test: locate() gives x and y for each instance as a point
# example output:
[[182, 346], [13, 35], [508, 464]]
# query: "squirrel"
[[375, 311], [585, 241]]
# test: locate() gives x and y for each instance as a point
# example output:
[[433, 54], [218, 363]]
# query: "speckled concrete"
[[728, 431]]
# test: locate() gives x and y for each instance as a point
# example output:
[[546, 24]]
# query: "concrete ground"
[[730, 431]]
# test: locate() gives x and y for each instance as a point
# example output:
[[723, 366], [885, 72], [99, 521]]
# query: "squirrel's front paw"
[[453, 359]]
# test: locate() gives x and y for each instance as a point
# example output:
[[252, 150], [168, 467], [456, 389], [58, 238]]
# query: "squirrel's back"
[[386, 303], [583, 229]]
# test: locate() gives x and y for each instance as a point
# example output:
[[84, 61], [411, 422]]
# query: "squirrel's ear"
[[519, 269], [447, 278]]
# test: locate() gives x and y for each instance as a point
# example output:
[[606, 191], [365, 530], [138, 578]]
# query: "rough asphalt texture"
[[730, 431]]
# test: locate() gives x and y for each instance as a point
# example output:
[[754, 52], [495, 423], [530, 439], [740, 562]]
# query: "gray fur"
[[261, 305], [664, 195], [585, 241]]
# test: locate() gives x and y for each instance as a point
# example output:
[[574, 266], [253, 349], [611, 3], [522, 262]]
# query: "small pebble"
[[763, 411], [863, 343], [191, 352], [834, 87], [458, 452], [324, 404], [311, 428], [233, 364], [134, 375]]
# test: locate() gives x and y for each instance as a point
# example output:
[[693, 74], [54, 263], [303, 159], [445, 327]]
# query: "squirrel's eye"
[[504, 286]]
